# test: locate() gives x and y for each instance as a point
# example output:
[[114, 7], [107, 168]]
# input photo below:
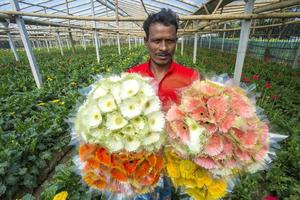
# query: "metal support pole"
[[50, 42], [95, 33], [195, 48], [33, 44], [200, 41], [223, 39], [296, 63], [68, 44], [243, 43], [83, 41], [209, 42], [47, 45], [182, 41], [129, 43], [11, 42], [135, 42], [117, 22], [59, 43], [25, 39]]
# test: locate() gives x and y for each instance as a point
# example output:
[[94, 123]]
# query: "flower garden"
[[36, 158]]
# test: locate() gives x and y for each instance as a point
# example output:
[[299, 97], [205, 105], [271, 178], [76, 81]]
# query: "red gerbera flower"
[[255, 77], [268, 85], [246, 79]]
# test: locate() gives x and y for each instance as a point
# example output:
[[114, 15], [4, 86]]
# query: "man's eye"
[[170, 41]]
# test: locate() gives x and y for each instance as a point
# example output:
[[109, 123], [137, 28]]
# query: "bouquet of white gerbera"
[[122, 113]]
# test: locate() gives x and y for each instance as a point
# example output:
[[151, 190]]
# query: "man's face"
[[161, 43]]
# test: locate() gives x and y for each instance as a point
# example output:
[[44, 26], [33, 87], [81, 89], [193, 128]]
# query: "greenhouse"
[[150, 99]]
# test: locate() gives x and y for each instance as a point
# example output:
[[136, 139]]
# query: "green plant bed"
[[34, 121]]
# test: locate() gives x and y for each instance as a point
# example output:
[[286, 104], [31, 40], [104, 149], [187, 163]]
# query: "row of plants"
[[276, 87], [33, 122]]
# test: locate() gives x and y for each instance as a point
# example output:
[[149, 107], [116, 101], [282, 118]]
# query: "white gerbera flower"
[[116, 92], [115, 78], [151, 138], [90, 116], [114, 143], [151, 105], [99, 92], [195, 143], [129, 88], [156, 121], [145, 131], [115, 121], [132, 144], [147, 90], [130, 108], [138, 123], [107, 103], [128, 130], [100, 133]]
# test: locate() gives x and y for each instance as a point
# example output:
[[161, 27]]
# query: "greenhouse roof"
[[42, 15]]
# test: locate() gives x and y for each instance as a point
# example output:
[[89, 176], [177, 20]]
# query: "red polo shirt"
[[176, 77]]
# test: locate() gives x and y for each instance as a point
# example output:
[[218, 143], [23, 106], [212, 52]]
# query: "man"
[[161, 37]]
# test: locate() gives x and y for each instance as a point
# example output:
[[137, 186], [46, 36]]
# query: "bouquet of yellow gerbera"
[[197, 181]]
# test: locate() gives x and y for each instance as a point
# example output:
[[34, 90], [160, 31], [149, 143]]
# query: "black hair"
[[166, 17]]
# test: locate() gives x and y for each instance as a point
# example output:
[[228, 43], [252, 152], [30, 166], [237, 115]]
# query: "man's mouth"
[[163, 55]]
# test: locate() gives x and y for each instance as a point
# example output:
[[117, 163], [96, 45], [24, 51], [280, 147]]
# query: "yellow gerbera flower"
[[196, 193], [187, 168], [61, 196], [172, 170], [202, 178], [217, 189]]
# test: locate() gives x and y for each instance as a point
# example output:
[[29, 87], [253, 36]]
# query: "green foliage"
[[66, 179], [33, 122]]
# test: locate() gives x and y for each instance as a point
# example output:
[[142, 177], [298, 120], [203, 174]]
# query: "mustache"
[[162, 54]]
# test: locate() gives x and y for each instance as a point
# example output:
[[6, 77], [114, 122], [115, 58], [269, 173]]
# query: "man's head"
[[161, 36]]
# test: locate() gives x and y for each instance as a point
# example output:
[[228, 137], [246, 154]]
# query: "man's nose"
[[163, 46]]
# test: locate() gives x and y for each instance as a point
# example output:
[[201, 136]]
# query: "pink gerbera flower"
[[181, 129], [174, 113], [217, 107], [214, 145], [207, 163]]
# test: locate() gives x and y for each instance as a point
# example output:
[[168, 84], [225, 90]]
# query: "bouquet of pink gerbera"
[[216, 125]]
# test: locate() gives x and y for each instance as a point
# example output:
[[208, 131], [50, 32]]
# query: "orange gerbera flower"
[[105, 170]]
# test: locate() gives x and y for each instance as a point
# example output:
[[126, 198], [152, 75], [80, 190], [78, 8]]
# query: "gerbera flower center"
[[109, 104], [130, 91], [193, 127], [118, 120], [96, 116], [147, 105]]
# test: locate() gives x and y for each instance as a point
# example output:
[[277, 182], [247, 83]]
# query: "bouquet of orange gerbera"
[[122, 172]]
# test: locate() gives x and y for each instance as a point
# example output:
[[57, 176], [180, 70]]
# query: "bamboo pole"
[[9, 13]]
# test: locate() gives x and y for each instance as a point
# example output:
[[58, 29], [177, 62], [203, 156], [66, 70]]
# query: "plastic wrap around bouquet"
[[120, 128], [218, 127]]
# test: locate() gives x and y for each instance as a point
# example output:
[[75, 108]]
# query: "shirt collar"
[[170, 69]]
